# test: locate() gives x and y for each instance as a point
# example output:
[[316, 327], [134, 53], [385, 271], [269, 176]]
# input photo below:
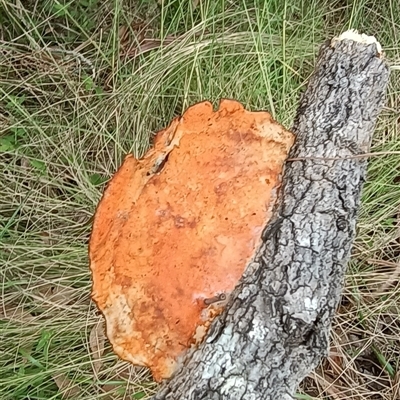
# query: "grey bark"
[[275, 328]]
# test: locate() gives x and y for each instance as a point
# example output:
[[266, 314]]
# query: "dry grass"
[[81, 84]]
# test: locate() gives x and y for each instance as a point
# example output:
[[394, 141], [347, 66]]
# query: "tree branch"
[[275, 328]]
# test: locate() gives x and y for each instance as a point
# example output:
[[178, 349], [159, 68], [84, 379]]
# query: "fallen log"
[[275, 327]]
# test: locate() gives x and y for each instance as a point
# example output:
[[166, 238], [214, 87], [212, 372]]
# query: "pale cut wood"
[[276, 326]]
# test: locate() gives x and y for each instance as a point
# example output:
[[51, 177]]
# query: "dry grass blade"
[[97, 339], [55, 294], [328, 386], [15, 313], [66, 387], [393, 276]]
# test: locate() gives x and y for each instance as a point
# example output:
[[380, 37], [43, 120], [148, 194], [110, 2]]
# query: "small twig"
[[378, 153], [215, 299]]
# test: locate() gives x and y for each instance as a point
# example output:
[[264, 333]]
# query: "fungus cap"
[[175, 230]]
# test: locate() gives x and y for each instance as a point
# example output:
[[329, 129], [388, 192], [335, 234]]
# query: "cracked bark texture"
[[275, 328]]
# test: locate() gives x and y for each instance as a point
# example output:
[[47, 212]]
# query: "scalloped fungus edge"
[[174, 231]]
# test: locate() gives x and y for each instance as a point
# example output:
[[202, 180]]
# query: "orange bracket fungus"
[[175, 230]]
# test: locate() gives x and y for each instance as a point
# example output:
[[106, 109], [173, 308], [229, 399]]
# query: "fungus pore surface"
[[175, 230]]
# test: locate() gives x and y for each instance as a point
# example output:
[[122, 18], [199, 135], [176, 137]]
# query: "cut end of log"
[[352, 34]]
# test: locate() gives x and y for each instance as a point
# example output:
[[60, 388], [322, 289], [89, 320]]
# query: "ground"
[[82, 83]]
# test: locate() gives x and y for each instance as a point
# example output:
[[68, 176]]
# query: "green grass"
[[74, 101]]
